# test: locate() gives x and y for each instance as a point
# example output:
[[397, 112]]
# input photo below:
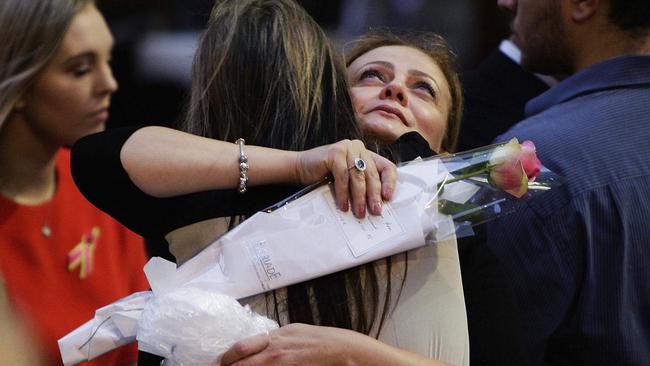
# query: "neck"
[[27, 163], [642, 45], [604, 41]]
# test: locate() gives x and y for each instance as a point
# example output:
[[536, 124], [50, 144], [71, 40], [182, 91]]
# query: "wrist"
[[271, 166], [296, 171], [356, 348]]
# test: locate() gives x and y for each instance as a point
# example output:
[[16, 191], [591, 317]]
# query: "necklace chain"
[[46, 230]]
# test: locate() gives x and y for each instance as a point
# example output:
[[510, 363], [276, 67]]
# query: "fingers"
[[340, 172], [388, 175], [363, 186], [381, 177], [370, 185], [259, 359], [357, 182], [244, 349]]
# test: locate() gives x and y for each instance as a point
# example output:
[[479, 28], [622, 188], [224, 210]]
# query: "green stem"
[[467, 175]]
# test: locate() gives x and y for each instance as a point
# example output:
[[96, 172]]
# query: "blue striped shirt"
[[579, 255]]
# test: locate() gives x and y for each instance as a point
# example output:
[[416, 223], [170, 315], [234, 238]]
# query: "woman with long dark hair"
[[265, 71]]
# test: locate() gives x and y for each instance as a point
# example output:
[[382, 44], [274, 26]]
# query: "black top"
[[100, 176], [495, 95]]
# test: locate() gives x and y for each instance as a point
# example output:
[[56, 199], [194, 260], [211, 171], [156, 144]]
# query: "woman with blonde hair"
[[61, 258]]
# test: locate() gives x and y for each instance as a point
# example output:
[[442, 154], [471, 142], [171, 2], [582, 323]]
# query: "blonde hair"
[[32, 32]]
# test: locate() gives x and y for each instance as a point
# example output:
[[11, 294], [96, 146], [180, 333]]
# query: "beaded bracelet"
[[243, 166]]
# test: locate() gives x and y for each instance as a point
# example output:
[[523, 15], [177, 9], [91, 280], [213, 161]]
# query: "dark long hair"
[[265, 71]]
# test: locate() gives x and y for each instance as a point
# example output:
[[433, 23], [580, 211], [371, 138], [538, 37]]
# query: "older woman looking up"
[[408, 103], [397, 92], [403, 83], [408, 99]]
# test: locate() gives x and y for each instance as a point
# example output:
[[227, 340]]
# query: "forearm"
[[302, 344], [367, 351], [164, 162]]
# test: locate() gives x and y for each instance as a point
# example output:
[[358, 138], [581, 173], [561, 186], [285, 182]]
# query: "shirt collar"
[[510, 49], [616, 72]]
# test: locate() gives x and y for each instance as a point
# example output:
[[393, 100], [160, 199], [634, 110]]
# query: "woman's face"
[[398, 89], [70, 97]]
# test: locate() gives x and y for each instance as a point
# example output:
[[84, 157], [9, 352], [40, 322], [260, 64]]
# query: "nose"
[[396, 92], [510, 5], [106, 83]]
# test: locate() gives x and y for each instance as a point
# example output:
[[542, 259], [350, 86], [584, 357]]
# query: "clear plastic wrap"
[[483, 184], [192, 326]]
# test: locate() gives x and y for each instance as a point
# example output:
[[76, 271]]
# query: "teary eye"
[[427, 87], [371, 73]]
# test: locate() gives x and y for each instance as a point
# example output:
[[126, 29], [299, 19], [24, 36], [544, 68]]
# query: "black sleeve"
[[493, 317], [101, 178], [409, 146]]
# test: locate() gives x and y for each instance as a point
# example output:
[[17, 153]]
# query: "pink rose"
[[510, 177], [529, 160], [510, 167], [506, 168]]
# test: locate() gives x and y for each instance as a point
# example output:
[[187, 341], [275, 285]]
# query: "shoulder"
[[68, 193], [592, 135]]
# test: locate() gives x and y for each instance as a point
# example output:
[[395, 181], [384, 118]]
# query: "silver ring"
[[359, 164]]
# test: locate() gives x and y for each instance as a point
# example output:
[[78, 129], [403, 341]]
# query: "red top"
[[57, 282]]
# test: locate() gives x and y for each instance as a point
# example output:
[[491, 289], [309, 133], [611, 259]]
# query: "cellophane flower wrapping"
[[191, 326], [483, 184]]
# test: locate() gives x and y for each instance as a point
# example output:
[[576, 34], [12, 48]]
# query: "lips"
[[100, 115], [391, 110]]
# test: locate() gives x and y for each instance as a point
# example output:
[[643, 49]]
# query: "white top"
[[429, 317]]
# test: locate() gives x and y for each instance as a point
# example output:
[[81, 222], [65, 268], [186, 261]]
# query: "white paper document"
[[311, 237]]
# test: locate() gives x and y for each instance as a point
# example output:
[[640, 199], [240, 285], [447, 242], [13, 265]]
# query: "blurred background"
[[155, 41]]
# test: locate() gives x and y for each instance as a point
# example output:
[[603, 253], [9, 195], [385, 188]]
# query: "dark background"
[[155, 42]]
